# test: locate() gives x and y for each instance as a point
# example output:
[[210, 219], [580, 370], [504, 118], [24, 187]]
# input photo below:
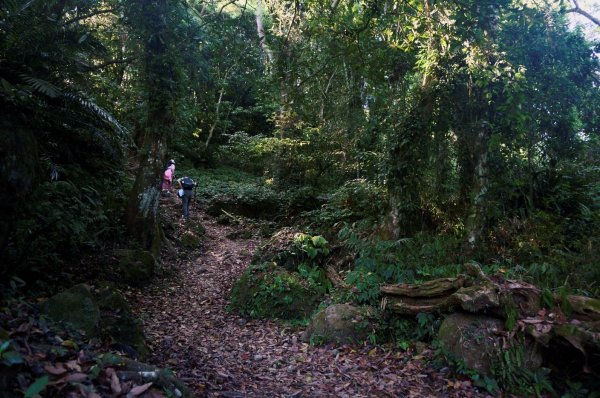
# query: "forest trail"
[[220, 354]]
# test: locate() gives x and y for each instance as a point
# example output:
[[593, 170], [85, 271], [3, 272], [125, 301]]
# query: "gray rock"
[[341, 323], [477, 341]]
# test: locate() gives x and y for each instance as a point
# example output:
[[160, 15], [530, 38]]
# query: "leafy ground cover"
[[41, 358]]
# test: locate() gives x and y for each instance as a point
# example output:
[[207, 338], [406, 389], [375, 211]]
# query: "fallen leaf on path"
[[138, 390], [55, 370], [76, 377]]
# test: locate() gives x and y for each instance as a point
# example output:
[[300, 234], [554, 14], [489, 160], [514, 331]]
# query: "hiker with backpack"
[[186, 193], [168, 176]]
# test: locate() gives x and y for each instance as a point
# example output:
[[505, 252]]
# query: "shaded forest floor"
[[220, 354]]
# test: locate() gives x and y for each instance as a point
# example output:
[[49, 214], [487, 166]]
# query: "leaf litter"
[[220, 354]]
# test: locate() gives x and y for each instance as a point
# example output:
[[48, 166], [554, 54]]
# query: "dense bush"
[[268, 291], [63, 220]]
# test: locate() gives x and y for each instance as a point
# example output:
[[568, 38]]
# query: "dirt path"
[[220, 354]]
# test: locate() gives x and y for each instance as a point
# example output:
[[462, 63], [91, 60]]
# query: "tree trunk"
[[142, 210], [477, 214], [261, 32], [217, 111]]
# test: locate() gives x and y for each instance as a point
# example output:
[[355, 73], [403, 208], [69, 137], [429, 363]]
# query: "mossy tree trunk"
[[150, 19]]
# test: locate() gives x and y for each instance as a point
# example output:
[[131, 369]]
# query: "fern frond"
[[42, 86], [97, 111]]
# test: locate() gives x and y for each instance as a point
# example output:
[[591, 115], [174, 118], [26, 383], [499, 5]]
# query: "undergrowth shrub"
[[366, 287], [406, 260], [287, 161], [62, 220], [268, 291], [404, 331], [356, 200], [509, 373], [247, 194]]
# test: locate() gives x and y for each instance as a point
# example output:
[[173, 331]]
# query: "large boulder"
[[269, 291], [117, 322], [340, 323], [105, 314], [75, 306], [477, 341]]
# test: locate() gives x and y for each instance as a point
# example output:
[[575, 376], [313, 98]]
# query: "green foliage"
[[316, 277], [366, 284], [403, 331], [37, 387], [405, 260], [61, 150], [314, 246], [289, 161], [8, 356], [355, 200], [267, 291], [66, 219], [510, 371]]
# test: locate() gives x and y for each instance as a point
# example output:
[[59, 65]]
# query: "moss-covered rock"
[[269, 291], [136, 266], [105, 314], [340, 323], [199, 229], [117, 322], [282, 250], [477, 341], [75, 306], [190, 240]]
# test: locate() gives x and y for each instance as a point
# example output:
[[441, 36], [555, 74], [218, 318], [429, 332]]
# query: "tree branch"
[[578, 10], [287, 37], [86, 16]]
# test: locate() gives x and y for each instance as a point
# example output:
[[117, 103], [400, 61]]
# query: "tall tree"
[[155, 23]]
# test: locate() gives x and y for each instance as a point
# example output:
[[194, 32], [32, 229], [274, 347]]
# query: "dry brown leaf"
[[73, 365], [139, 390], [55, 370], [75, 377], [154, 393], [115, 385]]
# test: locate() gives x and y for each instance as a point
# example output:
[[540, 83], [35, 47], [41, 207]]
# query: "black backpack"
[[187, 183]]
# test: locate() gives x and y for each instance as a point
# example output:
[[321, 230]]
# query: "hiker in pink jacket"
[[168, 177]]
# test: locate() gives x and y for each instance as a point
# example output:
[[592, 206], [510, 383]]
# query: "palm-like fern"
[[44, 65], [52, 128]]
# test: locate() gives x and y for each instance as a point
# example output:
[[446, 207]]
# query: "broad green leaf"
[[36, 387], [12, 358], [4, 346]]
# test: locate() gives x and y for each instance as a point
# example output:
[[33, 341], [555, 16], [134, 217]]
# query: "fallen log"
[[473, 293], [518, 303], [434, 288], [471, 299], [584, 308]]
